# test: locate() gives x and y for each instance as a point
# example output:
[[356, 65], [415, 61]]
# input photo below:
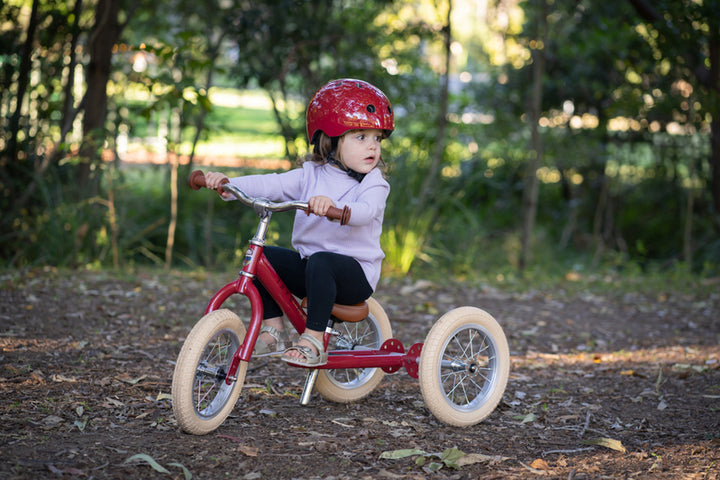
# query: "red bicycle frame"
[[390, 357]]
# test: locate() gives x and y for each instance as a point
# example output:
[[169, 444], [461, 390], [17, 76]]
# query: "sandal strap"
[[314, 342], [310, 358], [275, 333]]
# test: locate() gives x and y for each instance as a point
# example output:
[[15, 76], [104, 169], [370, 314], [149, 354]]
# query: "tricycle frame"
[[463, 365], [390, 357]]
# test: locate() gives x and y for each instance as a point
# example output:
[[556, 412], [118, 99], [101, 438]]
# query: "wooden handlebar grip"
[[338, 214], [197, 181]]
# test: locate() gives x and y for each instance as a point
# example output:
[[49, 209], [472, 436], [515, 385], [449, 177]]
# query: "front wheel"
[[464, 366], [201, 399], [351, 384]]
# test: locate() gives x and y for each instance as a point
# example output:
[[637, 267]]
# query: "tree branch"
[[646, 11]]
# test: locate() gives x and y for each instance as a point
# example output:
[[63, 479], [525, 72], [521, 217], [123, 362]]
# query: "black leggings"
[[324, 278]]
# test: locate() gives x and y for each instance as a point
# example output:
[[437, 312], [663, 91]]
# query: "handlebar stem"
[[262, 228]]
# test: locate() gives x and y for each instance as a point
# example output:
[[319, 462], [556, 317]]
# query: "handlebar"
[[197, 181]]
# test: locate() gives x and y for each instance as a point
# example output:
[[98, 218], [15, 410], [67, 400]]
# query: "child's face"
[[359, 150]]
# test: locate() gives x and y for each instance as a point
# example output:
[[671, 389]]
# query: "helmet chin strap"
[[352, 173], [331, 159]]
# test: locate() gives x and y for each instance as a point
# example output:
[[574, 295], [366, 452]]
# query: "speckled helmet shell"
[[348, 104]]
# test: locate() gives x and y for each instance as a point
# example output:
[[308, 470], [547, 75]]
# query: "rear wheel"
[[351, 384], [464, 366], [201, 398]]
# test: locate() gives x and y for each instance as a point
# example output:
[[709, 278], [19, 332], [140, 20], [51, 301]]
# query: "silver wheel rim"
[[468, 368], [210, 392]]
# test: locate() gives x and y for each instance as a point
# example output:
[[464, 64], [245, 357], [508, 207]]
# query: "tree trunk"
[[283, 121], [22, 83], [707, 74], [602, 204], [69, 112], [104, 36], [530, 191], [172, 225], [213, 53], [436, 159], [714, 86], [715, 162]]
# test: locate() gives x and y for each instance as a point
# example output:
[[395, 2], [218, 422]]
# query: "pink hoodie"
[[359, 239]]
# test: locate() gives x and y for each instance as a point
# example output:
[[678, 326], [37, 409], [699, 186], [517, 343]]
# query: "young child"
[[346, 121]]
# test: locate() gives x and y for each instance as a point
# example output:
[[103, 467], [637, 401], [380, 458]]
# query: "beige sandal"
[[281, 343], [310, 358]]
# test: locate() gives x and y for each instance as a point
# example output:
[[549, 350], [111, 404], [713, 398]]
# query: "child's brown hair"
[[324, 145]]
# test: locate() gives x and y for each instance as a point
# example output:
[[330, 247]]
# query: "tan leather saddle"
[[347, 313]]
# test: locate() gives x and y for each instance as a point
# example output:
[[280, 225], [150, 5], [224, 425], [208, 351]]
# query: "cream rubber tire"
[[201, 399], [464, 366], [351, 384]]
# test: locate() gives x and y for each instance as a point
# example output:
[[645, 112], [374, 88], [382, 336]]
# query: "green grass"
[[240, 124]]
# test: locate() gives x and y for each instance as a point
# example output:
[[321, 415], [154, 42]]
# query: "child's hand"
[[214, 180], [319, 205]]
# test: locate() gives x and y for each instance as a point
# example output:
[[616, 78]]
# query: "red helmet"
[[348, 104]]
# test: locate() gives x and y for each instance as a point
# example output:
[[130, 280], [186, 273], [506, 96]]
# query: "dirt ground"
[[618, 385]]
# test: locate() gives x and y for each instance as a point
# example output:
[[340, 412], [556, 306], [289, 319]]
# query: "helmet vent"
[[371, 108]]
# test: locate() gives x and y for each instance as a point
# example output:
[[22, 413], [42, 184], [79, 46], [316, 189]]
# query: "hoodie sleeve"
[[276, 187], [367, 204]]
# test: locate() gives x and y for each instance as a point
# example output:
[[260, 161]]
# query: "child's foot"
[[271, 341], [309, 351]]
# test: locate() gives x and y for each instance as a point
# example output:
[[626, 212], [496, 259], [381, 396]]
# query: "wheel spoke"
[[350, 384], [210, 376], [465, 366]]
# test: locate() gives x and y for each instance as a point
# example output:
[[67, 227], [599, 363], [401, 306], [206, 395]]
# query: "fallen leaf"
[[141, 457], [540, 464], [249, 451], [605, 442], [81, 424], [132, 381], [536, 471], [112, 402], [186, 472], [472, 458], [402, 453], [530, 417], [52, 420], [450, 457]]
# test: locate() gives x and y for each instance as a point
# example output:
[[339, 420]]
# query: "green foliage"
[[618, 191]]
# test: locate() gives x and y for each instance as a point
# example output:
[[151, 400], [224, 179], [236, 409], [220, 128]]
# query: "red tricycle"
[[462, 367]]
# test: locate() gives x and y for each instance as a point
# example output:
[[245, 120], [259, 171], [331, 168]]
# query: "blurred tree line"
[[532, 134]]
